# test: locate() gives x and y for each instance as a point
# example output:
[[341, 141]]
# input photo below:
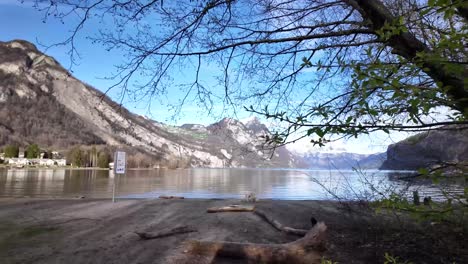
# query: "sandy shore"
[[99, 231]]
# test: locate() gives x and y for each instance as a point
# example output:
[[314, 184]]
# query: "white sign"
[[120, 162]]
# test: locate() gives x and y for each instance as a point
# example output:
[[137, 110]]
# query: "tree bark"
[[407, 46], [463, 12]]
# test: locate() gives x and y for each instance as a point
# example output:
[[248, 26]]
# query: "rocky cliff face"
[[427, 149], [41, 102], [29, 108], [246, 142]]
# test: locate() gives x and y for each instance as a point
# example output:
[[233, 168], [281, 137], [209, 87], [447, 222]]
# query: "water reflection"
[[205, 183]]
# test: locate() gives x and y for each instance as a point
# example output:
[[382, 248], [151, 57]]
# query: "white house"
[[40, 162], [56, 155], [19, 161], [51, 162], [46, 162], [61, 162]]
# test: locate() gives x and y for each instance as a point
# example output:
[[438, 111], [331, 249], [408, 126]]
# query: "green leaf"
[[320, 132], [423, 171]]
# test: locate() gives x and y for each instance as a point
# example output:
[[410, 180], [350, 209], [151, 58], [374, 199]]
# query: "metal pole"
[[113, 189]]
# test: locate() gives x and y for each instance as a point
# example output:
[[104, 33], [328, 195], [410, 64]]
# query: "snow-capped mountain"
[[256, 126], [342, 160]]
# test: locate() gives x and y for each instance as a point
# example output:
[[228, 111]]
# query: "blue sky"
[[95, 64], [21, 21]]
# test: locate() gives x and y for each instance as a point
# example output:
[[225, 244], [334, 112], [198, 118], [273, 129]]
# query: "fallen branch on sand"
[[174, 231], [271, 221], [308, 249], [279, 226], [170, 197], [231, 208]]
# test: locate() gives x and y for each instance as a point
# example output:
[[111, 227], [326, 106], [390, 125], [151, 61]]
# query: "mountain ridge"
[[41, 102], [84, 115]]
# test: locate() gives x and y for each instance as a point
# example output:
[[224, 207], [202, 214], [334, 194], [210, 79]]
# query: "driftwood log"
[[174, 231], [231, 208], [308, 249], [170, 197], [263, 215], [279, 226]]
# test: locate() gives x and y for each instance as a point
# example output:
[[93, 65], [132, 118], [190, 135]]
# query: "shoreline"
[[44, 230], [5, 166], [52, 168]]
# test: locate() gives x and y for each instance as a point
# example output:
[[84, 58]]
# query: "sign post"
[[120, 162]]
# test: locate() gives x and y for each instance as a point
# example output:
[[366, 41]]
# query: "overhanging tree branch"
[[408, 46]]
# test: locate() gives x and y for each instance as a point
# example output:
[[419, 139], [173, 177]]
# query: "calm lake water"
[[285, 184]]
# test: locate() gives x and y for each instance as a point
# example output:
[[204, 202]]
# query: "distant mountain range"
[[41, 102], [342, 160]]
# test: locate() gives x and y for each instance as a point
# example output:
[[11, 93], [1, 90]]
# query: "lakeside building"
[[18, 162], [37, 162]]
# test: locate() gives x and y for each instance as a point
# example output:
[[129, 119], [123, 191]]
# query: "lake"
[[284, 184]]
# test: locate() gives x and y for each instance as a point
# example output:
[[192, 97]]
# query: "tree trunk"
[[407, 46]]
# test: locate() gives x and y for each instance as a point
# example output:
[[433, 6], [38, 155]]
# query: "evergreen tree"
[[33, 151]]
